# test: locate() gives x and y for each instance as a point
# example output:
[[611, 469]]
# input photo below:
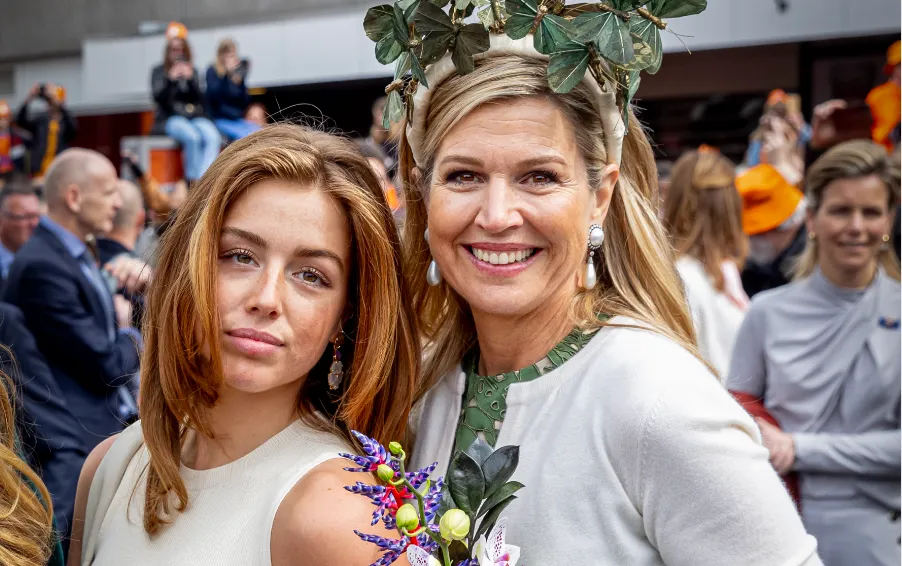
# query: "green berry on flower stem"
[[385, 473], [394, 447], [454, 525], [407, 517]]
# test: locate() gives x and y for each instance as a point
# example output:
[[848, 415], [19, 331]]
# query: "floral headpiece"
[[613, 40]]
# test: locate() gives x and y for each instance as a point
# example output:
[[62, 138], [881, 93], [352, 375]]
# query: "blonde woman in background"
[[823, 353], [26, 514], [703, 212], [555, 321]]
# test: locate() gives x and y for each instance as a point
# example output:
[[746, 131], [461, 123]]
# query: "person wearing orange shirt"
[[884, 102], [10, 145]]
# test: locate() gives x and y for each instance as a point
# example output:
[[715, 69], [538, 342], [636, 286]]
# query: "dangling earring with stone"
[[336, 370], [433, 275], [596, 238]]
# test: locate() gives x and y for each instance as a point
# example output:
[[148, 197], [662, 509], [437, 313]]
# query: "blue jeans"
[[235, 129], [200, 143]]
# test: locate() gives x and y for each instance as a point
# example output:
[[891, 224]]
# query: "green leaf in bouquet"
[[499, 467], [613, 41], [446, 502], [492, 516], [378, 22], [521, 14], [387, 49], [676, 8], [480, 450], [416, 70], [467, 484], [567, 67], [394, 109], [503, 493], [552, 32], [458, 551], [402, 67], [471, 40], [649, 51], [399, 25]]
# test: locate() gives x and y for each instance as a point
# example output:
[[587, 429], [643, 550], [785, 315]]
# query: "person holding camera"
[[227, 96], [180, 112], [50, 132]]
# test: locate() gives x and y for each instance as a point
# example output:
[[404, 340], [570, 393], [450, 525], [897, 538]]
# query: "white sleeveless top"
[[230, 510]]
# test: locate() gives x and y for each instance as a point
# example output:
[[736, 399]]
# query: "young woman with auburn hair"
[[26, 514], [703, 214], [283, 261]]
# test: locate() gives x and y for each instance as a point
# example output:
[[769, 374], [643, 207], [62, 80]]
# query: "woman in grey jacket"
[[823, 353]]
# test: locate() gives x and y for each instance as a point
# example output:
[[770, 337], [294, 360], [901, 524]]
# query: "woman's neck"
[[857, 279], [241, 422], [511, 343]]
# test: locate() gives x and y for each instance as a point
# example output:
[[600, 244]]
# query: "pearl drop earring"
[[433, 275], [596, 238]]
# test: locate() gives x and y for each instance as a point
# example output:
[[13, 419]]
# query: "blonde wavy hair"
[[851, 160], [381, 351], [703, 212], [26, 511], [636, 278]]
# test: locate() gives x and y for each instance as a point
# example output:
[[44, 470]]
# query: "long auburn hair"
[[26, 511], [703, 212], [636, 278], [167, 63], [851, 160], [381, 352]]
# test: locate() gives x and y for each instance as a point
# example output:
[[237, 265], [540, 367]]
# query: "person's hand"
[[123, 309], [231, 61], [823, 129], [50, 94], [186, 71], [781, 446], [131, 274]]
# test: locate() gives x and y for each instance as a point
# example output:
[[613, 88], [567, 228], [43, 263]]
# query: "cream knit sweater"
[[632, 453]]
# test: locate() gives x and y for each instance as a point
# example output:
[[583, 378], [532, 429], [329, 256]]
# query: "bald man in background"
[[68, 304]]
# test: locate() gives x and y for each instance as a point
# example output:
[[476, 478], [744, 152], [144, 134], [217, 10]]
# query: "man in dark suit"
[[48, 432], [81, 329]]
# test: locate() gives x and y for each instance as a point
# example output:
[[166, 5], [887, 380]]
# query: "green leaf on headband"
[[627, 85], [676, 8], [649, 35], [567, 66], [552, 31], [430, 18], [394, 109], [486, 14], [439, 3], [520, 16], [387, 49], [399, 26], [435, 45], [402, 67], [644, 56], [627, 5], [613, 41], [586, 26], [471, 39], [378, 22], [416, 70], [462, 4]]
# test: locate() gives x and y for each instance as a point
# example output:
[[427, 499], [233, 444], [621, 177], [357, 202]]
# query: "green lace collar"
[[485, 397]]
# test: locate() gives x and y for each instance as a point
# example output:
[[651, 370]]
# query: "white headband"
[[436, 74]]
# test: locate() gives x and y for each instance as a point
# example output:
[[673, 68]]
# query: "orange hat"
[[705, 148], [893, 57], [176, 31], [5, 111], [776, 97], [768, 199], [60, 93]]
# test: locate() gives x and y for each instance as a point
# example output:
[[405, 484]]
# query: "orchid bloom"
[[419, 557], [494, 552]]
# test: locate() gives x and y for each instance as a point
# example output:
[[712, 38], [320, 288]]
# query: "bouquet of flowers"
[[437, 520]]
